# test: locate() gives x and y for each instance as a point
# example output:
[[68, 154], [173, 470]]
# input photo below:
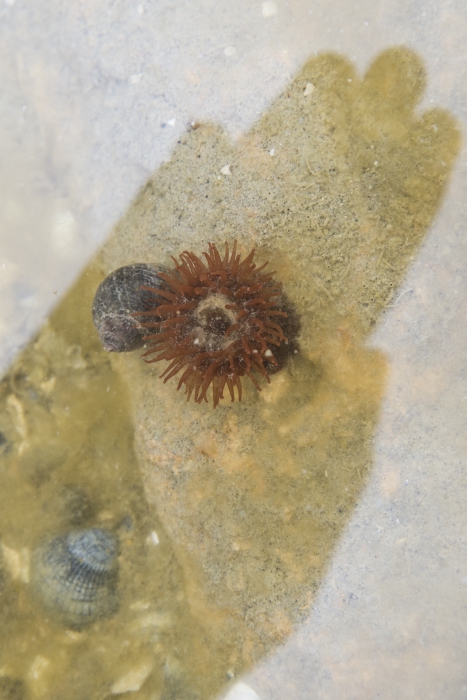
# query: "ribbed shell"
[[117, 298], [75, 575]]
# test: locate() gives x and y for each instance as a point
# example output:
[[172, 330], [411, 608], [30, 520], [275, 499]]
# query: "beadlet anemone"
[[218, 320]]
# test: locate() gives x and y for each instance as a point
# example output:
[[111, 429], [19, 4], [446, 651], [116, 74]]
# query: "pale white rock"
[[242, 691], [230, 50], [133, 679], [308, 90], [272, 151], [226, 170], [171, 122], [136, 78]]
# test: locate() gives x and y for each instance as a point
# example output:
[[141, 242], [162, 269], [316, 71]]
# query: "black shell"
[[75, 575], [119, 296]]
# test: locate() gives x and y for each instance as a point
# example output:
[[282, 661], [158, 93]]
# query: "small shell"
[[75, 575], [117, 298]]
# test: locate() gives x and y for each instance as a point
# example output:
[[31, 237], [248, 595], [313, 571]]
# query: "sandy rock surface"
[[335, 185]]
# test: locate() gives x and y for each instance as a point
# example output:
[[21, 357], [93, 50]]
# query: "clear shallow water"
[[68, 463], [252, 498]]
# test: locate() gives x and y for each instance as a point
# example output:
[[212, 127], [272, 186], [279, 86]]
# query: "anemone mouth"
[[215, 321]]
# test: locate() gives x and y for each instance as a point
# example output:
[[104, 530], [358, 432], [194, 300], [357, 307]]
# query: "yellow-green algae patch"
[[68, 463], [336, 186]]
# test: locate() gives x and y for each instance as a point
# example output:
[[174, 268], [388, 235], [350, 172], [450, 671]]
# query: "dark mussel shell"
[[118, 297]]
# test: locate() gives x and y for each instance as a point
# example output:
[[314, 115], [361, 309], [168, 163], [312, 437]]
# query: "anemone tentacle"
[[213, 321]]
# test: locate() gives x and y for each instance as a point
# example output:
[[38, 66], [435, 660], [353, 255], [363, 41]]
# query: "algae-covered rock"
[[335, 186]]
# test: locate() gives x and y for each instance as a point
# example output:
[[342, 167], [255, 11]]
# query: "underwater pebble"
[[226, 170], [242, 691], [230, 50], [308, 90], [133, 679]]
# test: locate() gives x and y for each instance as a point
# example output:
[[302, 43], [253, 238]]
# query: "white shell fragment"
[[16, 411], [308, 90], [17, 563], [152, 538], [39, 675], [226, 170], [133, 679], [242, 691]]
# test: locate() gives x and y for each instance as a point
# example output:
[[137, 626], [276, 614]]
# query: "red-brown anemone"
[[217, 321]]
